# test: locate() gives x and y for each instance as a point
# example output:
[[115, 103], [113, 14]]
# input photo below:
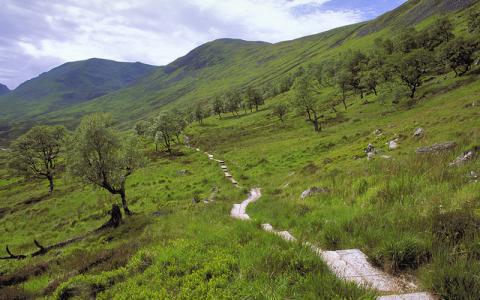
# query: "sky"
[[36, 36]]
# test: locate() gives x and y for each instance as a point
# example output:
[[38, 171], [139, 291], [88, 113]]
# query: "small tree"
[[412, 67], [474, 22], [35, 153], [233, 102], [163, 128], [141, 128], [100, 156], [280, 110], [459, 54], [304, 99], [254, 97], [218, 107], [199, 113]]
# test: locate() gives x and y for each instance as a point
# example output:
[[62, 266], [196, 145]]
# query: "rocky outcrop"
[[419, 132], [440, 147], [466, 156], [313, 191]]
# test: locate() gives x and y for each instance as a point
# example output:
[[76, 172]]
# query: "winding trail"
[[350, 265]]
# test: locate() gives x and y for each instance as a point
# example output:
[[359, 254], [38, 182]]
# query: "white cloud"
[[159, 31]]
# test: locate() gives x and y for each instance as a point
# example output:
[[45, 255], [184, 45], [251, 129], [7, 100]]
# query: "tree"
[[218, 107], [100, 156], [459, 54], [280, 110], [440, 32], [35, 153], [343, 80], [412, 67], [233, 102], [474, 22], [141, 128], [162, 130], [304, 99], [254, 97], [199, 113], [406, 40]]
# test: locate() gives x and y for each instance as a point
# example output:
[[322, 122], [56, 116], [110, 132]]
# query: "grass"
[[407, 213], [170, 248]]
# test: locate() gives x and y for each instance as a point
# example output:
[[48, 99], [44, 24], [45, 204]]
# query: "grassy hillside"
[[67, 85], [413, 214]]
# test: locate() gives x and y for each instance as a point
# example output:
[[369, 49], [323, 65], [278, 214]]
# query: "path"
[[350, 265]]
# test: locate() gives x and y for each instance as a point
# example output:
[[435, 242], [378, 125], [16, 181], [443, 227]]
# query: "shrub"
[[454, 226], [402, 254]]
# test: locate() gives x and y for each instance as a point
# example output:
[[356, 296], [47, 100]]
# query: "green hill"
[[3, 89], [218, 66], [414, 214], [67, 85]]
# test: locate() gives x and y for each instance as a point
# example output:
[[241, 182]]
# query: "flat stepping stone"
[[238, 210], [228, 175], [221, 161], [198, 149], [412, 296], [223, 167], [234, 181]]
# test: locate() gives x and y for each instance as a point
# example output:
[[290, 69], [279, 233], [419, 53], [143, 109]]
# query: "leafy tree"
[[35, 153], [101, 157], [304, 99], [459, 54], [343, 80], [200, 113], [141, 128], [352, 65], [440, 32], [218, 107], [162, 129], [254, 97], [386, 45], [233, 102], [412, 67], [280, 110], [406, 40], [474, 22]]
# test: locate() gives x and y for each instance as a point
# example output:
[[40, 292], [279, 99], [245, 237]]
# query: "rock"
[[437, 147], [378, 132], [370, 155], [386, 156], [314, 190], [392, 145], [184, 172], [419, 132], [370, 149], [473, 175], [466, 156]]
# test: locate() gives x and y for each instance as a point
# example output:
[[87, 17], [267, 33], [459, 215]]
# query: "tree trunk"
[[50, 180], [124, 201], [413, 90]]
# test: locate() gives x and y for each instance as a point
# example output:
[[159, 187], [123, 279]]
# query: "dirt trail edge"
[[350, 265]]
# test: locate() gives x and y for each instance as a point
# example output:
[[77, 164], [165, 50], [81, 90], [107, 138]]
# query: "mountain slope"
[[3, 89], [222, 65], [70, 84]]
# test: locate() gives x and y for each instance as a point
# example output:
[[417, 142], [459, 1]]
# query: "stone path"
[[350, 265]]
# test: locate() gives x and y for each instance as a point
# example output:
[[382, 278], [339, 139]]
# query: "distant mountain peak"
[[3, 89]]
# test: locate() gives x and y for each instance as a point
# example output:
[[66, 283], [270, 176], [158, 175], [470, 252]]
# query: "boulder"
[[392, 145], [419, 132], [440, 147], [314, 190], [370, 155], [466, 156], [370, 149]]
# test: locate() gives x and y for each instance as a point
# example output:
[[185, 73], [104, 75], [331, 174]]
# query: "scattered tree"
[[162, 130], [280, 110], [459, 54], [35, 153], [304, 99], [200, 113], [218, 107], [412, 67], [254, 97], [100, 156]]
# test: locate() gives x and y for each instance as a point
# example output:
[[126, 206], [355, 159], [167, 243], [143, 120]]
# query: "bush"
[[452, 227], [402, 254]]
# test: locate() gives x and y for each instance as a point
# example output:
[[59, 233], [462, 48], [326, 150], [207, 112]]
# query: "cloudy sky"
[[36, 36]]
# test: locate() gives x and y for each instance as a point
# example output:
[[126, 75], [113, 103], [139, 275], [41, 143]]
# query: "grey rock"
[[313, 191], [392, 145], [378, 132], [466, 156], [419, 132], [370, 149], [440, 147]]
